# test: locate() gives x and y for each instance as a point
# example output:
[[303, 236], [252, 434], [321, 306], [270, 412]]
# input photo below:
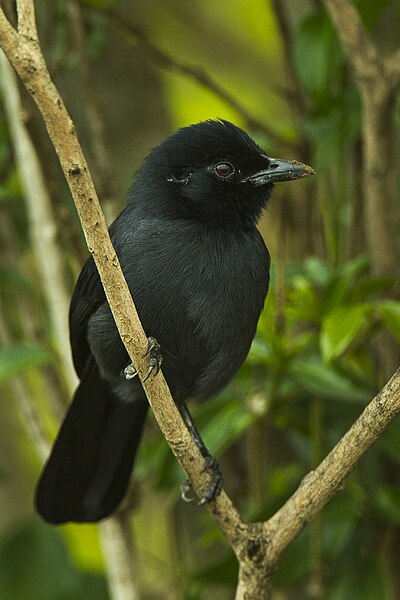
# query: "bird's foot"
[[155, 362], [156, 358], [186, 488], [129, 372], [215, 487], [213, 490]]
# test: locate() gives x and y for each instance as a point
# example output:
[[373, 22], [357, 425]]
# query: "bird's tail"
[[88, 470]]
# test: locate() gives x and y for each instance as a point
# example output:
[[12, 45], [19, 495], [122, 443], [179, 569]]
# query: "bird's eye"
[[224, 169]]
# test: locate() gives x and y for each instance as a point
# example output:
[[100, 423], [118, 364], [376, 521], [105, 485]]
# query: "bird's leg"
[[155, 361], [156, 358], [211, 464]]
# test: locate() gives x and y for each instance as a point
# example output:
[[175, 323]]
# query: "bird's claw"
[[186, 488], [155, 362], [156, 358], [213, 490], [215, 487], [129, 372]]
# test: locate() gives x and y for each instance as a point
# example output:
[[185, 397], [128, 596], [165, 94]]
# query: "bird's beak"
[[280, 170]]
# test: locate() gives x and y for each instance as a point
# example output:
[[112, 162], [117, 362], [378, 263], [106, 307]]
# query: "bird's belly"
[[202, 304], [208, 338]]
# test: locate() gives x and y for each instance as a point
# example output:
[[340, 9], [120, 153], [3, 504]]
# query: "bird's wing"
[[87, 297]]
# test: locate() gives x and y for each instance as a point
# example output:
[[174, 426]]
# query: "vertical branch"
[[42, 225], [298, 100], [115, 536], [29, 415], [380, 227], [26, 19], [258, 546], [377, 81], [117, 543]]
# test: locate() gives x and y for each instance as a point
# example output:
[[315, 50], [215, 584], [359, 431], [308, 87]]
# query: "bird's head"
[[213, 171]]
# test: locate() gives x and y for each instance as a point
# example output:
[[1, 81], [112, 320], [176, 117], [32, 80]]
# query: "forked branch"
[[258, 546]]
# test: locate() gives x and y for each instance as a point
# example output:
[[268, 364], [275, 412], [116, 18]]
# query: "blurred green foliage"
[[314, 363]]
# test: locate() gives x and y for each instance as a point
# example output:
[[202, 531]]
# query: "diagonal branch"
[[166, 61], [362, 53], [26, 19], [42, 226], [258, 546], [27, 60], [356, 42], [296, 92], [318, 487], [392, 67], [377, 81]]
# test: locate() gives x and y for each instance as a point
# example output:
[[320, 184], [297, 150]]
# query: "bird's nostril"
[[273, 166]]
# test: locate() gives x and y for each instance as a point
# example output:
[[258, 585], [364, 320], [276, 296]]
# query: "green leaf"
[[388, 500], [318, 56], [327, 382], [369, 580], [222, 427], [368, 287], [34, 565], [340, 521], [19, 358], [317, 270], [303, 301], [342, 283], [258, 353], [389, 311], [340, 328]]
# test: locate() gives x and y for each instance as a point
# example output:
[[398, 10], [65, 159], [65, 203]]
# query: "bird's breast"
[[200, 293]]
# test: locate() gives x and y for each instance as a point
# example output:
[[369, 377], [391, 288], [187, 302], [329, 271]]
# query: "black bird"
[[198, 271]]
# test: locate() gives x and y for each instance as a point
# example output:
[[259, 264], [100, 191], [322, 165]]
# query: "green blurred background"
[[130, 73]]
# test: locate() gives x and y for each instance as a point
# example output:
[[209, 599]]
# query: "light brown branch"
[[28, 61], [258, 546], [43, 229], [26, 19], [116, 539], [296, 94], [329, 477], [356, 42], [392, 68], [377, 80], [29, 414]]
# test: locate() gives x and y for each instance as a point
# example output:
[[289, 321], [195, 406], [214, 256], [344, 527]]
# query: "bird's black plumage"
[[198, 271]]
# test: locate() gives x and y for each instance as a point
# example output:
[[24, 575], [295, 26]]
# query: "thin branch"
[[392, 67], [116, 540], [356, 41], [362, 53], [43, 229], [29, 63], [377, 84], [9, 36], [258, 545], [115, 535], [296, 91], [26, 19], [320, 485], [164, 60]]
